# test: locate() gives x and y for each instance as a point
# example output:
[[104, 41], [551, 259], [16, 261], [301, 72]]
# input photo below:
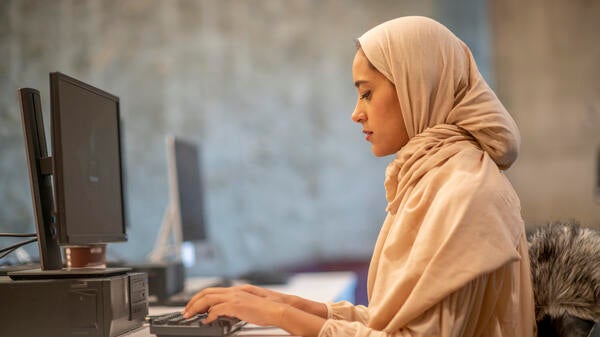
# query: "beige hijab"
[[453, 215]]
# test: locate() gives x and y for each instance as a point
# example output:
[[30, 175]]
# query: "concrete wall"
[[264, 86], [547, 66]]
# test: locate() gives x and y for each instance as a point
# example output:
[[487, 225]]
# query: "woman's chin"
[[379, 152]]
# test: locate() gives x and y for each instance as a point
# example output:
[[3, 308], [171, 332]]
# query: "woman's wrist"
[[279, 314], [298, 322], [312, 307]]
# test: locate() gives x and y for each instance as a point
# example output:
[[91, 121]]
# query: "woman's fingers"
[[208, 291], [202, 302], [217, 311], [246, 287], [206, 298], [246, 307]]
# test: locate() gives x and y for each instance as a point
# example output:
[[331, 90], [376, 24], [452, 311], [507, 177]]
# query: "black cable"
[[7, 250], [17, 245], [18, 235]]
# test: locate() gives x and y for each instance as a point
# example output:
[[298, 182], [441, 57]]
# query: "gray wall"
[[547, 66], [264, 86]]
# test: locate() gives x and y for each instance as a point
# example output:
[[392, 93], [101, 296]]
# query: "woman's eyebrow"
[[359, 82]]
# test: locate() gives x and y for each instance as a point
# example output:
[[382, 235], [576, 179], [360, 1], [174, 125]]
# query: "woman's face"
[[377, 108]]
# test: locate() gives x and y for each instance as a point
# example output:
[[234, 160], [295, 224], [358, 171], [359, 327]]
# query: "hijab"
[[452, 214]]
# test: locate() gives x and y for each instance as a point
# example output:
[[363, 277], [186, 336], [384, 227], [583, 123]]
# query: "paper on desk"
[[256, 330]]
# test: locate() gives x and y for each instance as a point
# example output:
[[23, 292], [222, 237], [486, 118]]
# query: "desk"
[[321, 287]]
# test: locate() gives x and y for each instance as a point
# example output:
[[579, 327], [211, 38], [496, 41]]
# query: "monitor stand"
[[168, 242], [39, 274], [164, 265]]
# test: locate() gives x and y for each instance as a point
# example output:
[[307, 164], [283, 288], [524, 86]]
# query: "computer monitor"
[[87, 163], [184, 218], [83, 204], [185, 186]]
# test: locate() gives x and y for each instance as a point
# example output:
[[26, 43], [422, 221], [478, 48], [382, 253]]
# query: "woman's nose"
[[358, 116]]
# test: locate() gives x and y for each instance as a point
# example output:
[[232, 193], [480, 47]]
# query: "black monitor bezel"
[[39, 178], [63, 237], [176, 181]]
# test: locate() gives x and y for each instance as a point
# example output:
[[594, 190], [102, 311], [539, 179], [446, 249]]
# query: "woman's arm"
[[315, 308], [459, 315], [450, 318], [263, 309], [340, 310]]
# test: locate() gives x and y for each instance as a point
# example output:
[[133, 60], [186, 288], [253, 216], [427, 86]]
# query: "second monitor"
[[184, 219], [183, 227]]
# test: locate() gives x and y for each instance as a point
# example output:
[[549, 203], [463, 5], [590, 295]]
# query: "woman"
[[451, 257]]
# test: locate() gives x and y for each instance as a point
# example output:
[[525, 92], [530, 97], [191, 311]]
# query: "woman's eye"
[[366, 95]]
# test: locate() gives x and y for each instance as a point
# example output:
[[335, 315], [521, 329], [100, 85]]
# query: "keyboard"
[[175, 325]]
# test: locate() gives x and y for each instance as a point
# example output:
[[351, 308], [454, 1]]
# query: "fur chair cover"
[[565, 265]]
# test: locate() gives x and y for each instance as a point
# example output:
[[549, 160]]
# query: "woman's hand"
[[298, 316], [248, 303]]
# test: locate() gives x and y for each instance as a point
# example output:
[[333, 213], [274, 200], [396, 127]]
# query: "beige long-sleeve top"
[[491, 305], [451, 260]]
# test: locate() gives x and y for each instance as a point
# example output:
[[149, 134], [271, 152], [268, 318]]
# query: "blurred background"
[[265, 87]]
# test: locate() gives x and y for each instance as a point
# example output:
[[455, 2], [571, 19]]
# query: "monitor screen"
[[86, 152], [185, 181]]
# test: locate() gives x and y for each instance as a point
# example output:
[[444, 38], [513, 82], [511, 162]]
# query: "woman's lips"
[[367, 134]]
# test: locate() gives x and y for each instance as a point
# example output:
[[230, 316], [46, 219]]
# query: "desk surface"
[[321, 287]]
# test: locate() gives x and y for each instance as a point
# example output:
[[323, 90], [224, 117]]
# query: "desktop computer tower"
[[93, 307], [164, 279]]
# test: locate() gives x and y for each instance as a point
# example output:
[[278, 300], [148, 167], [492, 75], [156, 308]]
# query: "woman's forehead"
[[360, 60], [363, 71]]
